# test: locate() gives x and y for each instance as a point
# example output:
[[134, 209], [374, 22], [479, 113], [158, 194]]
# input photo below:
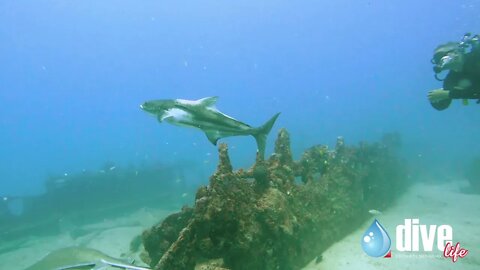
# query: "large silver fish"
[[203, 115]]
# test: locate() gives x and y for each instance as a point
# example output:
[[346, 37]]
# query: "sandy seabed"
[[432, 204], [111, 236]]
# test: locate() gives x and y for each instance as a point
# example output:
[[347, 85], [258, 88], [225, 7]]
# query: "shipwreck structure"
[[281, 213]]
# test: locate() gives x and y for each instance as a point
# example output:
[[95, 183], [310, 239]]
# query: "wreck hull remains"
[[280, 214]]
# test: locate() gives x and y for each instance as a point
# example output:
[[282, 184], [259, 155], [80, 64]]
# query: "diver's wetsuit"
[[470, 72]]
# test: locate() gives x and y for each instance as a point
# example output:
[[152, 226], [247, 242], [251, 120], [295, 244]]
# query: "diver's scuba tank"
[[470, 42]]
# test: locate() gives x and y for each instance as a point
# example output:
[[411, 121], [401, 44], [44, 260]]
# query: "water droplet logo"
[[375, 241]]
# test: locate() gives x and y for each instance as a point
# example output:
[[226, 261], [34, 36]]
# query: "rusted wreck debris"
[[280, 214]]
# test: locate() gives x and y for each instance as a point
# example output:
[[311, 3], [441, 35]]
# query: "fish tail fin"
[[261, 134]]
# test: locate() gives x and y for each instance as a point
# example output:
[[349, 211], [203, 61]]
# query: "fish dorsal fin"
[[208, 101], [213, 136]]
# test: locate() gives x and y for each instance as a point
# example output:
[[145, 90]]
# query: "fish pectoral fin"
[[162, 115], [208, 101], [213, 136], [165, 118], [160, 118]]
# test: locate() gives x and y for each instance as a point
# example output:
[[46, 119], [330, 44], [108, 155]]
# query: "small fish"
[[374, 212], [203, 115]]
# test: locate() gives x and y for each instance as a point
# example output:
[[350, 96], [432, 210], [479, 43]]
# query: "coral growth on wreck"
[[279, 214]]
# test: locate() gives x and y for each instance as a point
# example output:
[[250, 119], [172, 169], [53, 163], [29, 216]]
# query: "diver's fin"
[[208, 101], [213, 136], [261, 134], [78, 266], [121, 266], [101, 266]]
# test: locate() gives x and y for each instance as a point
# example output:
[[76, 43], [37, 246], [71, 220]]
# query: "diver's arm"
[[438, 95]]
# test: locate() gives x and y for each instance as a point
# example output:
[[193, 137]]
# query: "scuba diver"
[[462, 60]]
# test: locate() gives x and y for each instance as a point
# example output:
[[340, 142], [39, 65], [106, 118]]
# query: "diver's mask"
[[449, 56], [453, 60]]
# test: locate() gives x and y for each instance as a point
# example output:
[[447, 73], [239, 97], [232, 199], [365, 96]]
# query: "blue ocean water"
[[73, 74]]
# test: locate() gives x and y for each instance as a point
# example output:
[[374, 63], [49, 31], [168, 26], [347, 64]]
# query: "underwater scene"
[[235, 135]]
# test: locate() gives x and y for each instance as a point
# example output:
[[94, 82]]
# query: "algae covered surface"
[[280, 213]]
